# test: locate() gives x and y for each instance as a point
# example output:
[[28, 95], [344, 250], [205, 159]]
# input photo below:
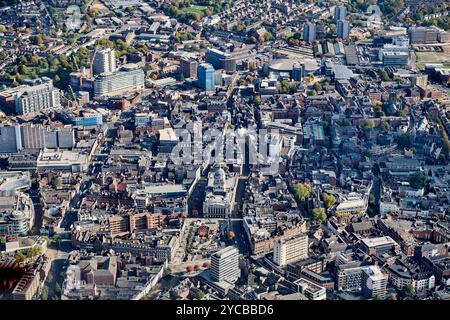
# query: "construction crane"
[[72, 92], [92, 60], [75, 60]]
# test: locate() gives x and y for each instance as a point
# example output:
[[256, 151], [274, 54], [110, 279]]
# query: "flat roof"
[[374, 273], [167, 134], [57, 157], [226, 252], [349, 204], [288, 64], [375, 242], [164, 188]]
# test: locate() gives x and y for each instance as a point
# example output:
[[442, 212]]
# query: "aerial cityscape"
[[224, 150]]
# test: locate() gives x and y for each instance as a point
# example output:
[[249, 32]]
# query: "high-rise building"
[[342, 29], [290, 250], [206, 77], [39, 96], [129, 78], [33, 137], [59, 138], [66, 137], [427, 35], [104, 61], [348, 276], [225, 265], [188, 68], [51, 138], [321, 32], [222, 60], [215, 57], [10, 139], [374, 282], [298, 71], [339, 13], [309, 32], [16, 138], [393, 58]]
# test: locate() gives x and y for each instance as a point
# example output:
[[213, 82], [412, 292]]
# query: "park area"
[[201, 10]]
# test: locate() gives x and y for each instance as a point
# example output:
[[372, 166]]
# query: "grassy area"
[[196, 9]]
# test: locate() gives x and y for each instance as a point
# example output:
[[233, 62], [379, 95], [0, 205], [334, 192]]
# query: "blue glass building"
[[206, 77]]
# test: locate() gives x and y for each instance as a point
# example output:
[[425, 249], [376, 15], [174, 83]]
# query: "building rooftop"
[[380, 241], [167, 134]]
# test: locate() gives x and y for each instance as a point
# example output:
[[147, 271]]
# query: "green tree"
[[58, 289], [199, 295], [319, 214], [49, 277], [56, 182], [268, 36], [167, 272], [418, 180], [408, 291], [317, 86], [384, 127], [369, 124], [106, 42], [34, 60], [20, 257], [329, 199], [37, 40], [372, 199], [346, 123], [44, 293], [302, 191], [2, 28], [332, 27], [33, 251], [405, 140], [256, 100], [392, 296], [288, 87], [384, 75]]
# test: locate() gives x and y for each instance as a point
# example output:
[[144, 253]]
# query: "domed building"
[[219, 185], [285, 67], [220, 193]]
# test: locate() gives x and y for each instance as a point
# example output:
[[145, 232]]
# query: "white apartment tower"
[[40, 96], [290, 250], [225, 265], [129, 78], [374, 282], [104, 61]]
